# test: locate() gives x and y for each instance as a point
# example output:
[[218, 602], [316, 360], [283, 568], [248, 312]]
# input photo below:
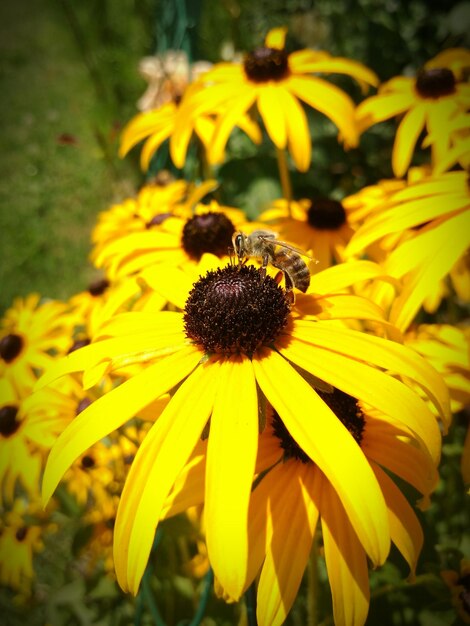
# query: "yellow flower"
[[178, 241], [430, 100], [29, 332], [276, 83], [319, 224], [171, 121], [435, 213], [240, 340], [21, 531], [293, 498]]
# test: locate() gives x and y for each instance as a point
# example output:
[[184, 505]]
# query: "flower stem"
[[312, 582], [284, 176], [201, 609]]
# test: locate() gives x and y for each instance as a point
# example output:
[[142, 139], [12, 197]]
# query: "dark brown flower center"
[[264, 64], [88, 462], [235, 310], [346, 409], [21, 533], [10, 347], [8, 420], [98, 287], [435, 82], [326, 214], [209, 232]]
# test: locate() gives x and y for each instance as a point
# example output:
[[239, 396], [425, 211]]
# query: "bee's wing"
[[288, 246]]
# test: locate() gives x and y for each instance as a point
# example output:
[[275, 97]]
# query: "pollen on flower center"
[[346, 409], [235, 310], [435, 82], [8, 422], [265, 64], [209, 232], [10, 347], [326, 214]]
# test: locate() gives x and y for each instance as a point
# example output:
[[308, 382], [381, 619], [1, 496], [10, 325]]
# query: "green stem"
[[201, 609], [284, 176], [312, 582]]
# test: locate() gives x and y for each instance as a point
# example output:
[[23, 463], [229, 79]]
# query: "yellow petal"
[[405, 140], [345, 562], [371, 386], [228, 120], [271, 109], [405, 529], [381, 107], [276, 38], [169, 281], [188, 490], [293, 516], [338, 277], [333, 65], [393, 357], [143, 125], [402, 457], [448, 243], [291, 396], [159, 460], [298, 133], [231, 458], [329, 100], [152, 144], [113, 409]]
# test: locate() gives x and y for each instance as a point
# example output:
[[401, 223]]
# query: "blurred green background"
[[69, 82]]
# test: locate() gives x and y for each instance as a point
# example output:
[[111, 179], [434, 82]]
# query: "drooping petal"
[[403, 458], [113, 409], [301, 63], [152, 144], [228, 120], [329, 100], [405, 529], [272, 113], [406, 137], [231, 458], [298, 134], [444, 246], [381, 107], [391, 356], [372, 386], [159, 460], [188, 490], [345, 562], [293, 514], [358, 489]]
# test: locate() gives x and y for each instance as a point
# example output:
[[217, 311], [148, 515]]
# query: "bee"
[[264, 245]]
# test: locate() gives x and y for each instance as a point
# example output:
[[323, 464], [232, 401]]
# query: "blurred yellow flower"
[[430, 101], [276, 82]]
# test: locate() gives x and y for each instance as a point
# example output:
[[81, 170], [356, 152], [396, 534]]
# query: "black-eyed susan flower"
[[434, 212], [22, 529], [240, 339], [177, 241], [430, 101], [295, 497], [30, 332], [276, 82]]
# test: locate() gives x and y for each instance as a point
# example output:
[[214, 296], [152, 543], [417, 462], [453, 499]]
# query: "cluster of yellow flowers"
[[269, 375]]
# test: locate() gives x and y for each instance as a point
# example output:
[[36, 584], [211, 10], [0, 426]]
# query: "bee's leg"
[[262, 269], [278, 277], [289, 288]]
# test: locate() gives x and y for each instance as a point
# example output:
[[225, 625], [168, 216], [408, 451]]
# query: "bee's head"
[[238, 242]]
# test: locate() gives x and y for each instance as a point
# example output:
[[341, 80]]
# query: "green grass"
[[54, 85]]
